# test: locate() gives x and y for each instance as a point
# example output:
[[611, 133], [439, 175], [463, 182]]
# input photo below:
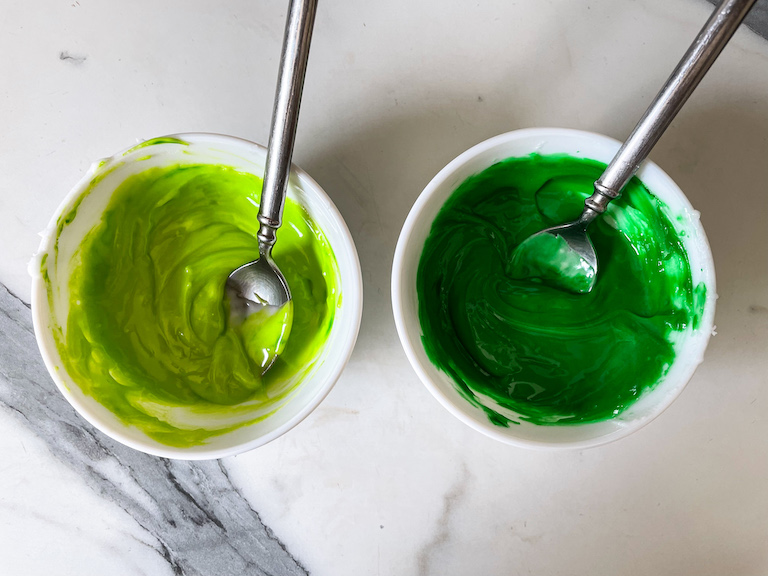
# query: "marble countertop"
[[380, 479]]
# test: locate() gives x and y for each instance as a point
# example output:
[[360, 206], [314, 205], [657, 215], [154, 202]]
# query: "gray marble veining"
[[757, 19], [197, 519]]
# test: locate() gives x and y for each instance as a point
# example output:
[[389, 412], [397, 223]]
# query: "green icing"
[[148, 333], [699, 299], [520, 349]]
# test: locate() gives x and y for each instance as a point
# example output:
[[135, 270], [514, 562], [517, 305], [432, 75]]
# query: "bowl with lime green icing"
[[129, 309], [527, 362]]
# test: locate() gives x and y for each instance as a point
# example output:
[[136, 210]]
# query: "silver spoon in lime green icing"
[[563, 256], [259, 286]]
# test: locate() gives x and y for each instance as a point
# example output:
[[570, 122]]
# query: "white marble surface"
[[380, 479]]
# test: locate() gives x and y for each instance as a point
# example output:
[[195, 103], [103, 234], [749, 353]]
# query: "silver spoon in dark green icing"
[[563, 256], [260, 283]]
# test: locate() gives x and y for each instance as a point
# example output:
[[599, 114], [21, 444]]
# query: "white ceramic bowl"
[[199, 148], [689, 347]]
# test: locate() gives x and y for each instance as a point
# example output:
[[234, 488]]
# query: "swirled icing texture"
[[522, 350], [148, 333]]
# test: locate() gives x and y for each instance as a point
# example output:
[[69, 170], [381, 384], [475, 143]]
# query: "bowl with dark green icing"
[[128, 299], [534, 365]]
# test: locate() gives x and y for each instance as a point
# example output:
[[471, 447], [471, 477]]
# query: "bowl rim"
[[353, 298], [410, 347]]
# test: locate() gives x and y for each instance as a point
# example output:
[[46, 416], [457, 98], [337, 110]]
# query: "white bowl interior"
[[689, 347], [208, 149]]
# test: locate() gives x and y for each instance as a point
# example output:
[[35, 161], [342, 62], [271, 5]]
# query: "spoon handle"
[[285, 116], [694, 65]]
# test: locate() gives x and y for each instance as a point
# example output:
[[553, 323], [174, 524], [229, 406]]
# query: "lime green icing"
[[154, 141], [148, 333], [522, 350]]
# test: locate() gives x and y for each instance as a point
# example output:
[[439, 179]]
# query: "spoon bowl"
[[257, 292], [562, 257], [255, 285]]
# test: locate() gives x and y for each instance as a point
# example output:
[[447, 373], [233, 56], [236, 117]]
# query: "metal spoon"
[[260, 283], [573, 236]]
